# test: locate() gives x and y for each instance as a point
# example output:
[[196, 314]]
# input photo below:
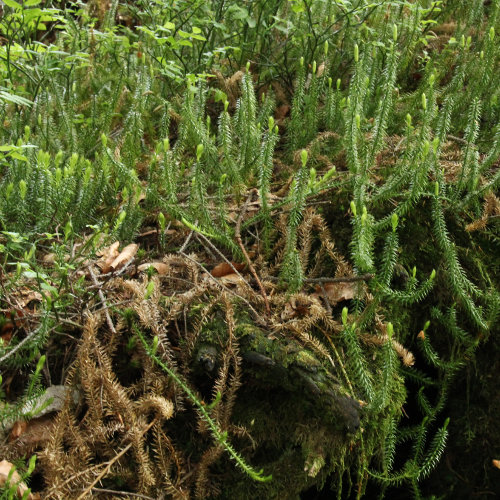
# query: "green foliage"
[[166, 112]]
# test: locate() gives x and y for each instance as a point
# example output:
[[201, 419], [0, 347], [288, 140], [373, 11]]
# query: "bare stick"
[[223, 257], [341, 279], [18, 346], [123, 493], [237, 235], [186, 241], [103, 300]]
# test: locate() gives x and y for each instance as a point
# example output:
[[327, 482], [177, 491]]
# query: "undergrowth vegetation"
[[305, 195]]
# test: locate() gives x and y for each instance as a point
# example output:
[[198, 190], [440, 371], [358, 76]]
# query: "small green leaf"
[[12, 4], [15, 99]]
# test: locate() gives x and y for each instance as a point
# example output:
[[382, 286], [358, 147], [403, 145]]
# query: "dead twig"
[[18, 346], [103, 300], [186, 241], [123, 493], [223, 257], [237, 235], [341, 279]]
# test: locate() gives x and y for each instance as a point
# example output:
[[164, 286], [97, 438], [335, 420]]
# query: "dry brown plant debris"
[[122, 431], [491, 208]]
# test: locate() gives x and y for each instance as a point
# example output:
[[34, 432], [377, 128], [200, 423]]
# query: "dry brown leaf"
[[34, 412], [15, 478], [108, 255], [24, 295], [104, 252], [17, 319], [496, 463], [223, 269], [161, 267], [27, 437], [17, 429], [7, 329], [231, 279], [6, 333], [337, 292], [125, 255], [50, 258]]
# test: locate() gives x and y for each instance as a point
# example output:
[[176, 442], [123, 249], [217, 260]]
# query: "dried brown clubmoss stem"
[[109, 463]]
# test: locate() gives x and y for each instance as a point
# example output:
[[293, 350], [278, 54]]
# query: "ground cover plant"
[[249, 249]]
